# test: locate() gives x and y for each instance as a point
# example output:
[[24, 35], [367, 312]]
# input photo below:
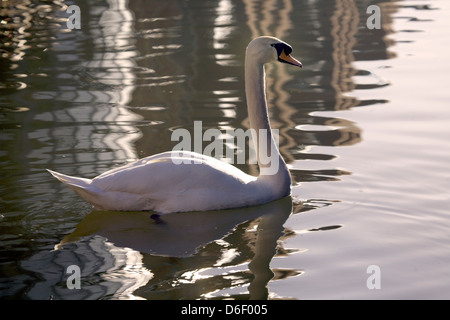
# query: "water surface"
[[363, 128]]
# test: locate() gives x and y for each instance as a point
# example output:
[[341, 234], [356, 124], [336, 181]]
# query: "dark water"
[[363, 128]]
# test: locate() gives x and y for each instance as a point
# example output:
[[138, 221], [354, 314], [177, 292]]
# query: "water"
[[363, 127]]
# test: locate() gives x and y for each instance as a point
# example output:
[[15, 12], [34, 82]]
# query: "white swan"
[[160, 184]]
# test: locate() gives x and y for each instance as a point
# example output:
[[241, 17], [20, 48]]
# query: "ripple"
[[324, 228], [13, 109], [318, 175]]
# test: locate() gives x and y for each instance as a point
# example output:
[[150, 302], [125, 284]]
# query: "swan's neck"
[[273, 169]]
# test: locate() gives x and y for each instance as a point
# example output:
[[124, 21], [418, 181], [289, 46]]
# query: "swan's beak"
[[289, 59]]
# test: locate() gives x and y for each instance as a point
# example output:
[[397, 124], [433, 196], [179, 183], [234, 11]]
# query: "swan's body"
[[160, 184]]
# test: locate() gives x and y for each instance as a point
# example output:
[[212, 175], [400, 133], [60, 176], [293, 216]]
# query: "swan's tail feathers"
[[101, 199], [81, 186], [72, 182]]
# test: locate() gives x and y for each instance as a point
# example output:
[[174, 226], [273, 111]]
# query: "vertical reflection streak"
[[273, 18], [344, 26]]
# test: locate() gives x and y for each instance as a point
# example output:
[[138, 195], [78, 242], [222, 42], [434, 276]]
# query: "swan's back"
[[158, 183]]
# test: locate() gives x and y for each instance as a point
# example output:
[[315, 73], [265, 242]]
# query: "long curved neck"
[[271, 164]]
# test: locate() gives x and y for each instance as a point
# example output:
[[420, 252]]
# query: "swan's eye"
[[280, 47], [283, 51]]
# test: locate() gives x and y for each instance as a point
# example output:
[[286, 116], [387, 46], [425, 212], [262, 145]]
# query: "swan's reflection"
[[183, 245]]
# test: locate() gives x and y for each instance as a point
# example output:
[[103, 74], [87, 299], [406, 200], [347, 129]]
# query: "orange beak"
[[289, 59]]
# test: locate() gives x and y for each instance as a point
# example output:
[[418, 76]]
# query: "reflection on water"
[[181, 252], [107, 271], [83, 101]]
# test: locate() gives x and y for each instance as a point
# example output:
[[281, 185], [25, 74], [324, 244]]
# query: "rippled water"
[[363, 127]]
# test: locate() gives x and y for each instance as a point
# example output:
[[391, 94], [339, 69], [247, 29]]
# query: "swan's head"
[[268, 49]]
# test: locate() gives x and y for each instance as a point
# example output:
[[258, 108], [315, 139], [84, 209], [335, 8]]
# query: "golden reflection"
[[20, 24], [343, 29], [272, 17], [223, 25], [15, 31], [102, 86], [344, 26]]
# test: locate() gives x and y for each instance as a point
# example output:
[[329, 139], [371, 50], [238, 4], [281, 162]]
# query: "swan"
[[159, 183]]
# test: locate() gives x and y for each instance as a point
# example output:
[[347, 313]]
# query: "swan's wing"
[[177, 157], [170, 182], [164, 185], [167, 173]]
